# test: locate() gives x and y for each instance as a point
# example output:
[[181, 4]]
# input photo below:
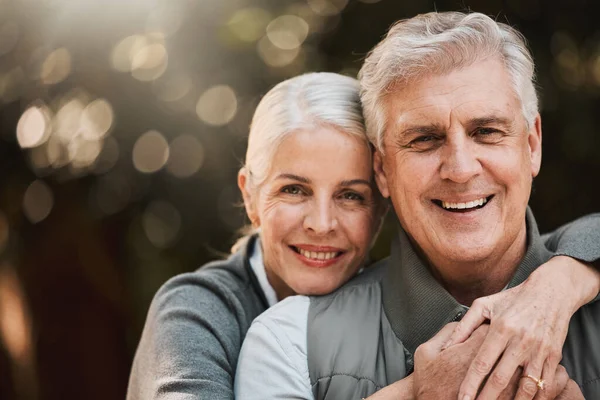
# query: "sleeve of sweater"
[[190, 343], [579, 239]]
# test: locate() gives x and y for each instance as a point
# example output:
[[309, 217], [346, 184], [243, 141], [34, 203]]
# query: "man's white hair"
[[438, 43]]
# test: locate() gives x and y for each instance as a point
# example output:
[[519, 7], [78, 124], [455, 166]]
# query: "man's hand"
[[528, 327]]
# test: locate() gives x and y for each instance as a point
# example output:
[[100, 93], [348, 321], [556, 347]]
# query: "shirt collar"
[[258, 266], [418, 306]]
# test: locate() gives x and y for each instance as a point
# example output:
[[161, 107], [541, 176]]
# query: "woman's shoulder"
[[222, 286]]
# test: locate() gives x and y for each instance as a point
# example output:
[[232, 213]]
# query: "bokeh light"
[[248, 24], [150, 152], [108, 157], [38, 159], [56, 67], [82, 153], [12, 84], [161, 222], [274, 56], [124, 52], [37, 201], [97, 119], [33, 127], [166, 18], [67, 122], [287, 32], [327, 7], [149, 62], [217, 106], [56, 152], [186, 156], [173, 88], [15, 323]]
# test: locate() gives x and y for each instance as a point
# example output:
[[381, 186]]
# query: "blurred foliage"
[[123, 125]]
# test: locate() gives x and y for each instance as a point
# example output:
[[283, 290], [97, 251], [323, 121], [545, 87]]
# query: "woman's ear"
[[247, 195]]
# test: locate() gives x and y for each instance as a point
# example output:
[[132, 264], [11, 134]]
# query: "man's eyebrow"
[[353, 182], [491, 120], [293, 177], [421, 129]]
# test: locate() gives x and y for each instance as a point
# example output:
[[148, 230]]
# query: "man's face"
[[459, 161]]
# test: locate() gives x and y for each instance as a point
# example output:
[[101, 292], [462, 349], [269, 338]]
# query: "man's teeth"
[[460, 206], [317, 255]]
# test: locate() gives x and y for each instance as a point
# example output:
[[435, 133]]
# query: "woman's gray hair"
[[303, 102], [438, 43]]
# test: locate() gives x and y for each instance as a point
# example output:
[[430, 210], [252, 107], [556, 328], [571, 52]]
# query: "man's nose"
[[321, 217], [460, 160]]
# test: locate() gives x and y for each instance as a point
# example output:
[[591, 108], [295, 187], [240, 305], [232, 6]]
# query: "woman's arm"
[[529, 323], [189, 345]]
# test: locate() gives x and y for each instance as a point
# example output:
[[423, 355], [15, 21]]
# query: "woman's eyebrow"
[[352, 182], [293, 177]]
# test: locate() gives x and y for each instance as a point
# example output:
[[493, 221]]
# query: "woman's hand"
[[528, 327]]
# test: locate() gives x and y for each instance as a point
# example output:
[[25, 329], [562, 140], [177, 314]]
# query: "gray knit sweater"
[[194, 331]]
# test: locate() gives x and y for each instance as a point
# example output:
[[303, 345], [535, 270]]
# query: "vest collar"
[[417, 306]]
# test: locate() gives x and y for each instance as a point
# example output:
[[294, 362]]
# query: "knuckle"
[[528, 338], [506, 327], [528, 387], [479, 304], [499, 380], [560, 370], [555, 355], [481, 367]]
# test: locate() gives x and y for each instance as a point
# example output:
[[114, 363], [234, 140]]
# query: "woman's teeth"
[[317, 255]]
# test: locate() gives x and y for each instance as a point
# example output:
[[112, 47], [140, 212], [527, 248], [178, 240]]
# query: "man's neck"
[[467, 281]]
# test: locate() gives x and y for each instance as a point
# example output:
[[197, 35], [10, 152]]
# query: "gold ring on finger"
[[540, 383]]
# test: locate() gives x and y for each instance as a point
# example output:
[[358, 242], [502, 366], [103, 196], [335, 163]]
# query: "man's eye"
[[292, 189], [485, 131], [424, 139], [487, 135], [424, 143]]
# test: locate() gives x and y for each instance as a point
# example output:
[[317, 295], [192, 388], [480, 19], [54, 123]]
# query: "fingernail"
[[466, 397]]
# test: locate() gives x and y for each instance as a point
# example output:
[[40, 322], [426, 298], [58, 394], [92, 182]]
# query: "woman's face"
[[317, 210]]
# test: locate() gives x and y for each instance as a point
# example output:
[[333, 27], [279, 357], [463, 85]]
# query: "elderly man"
[[451, 108]]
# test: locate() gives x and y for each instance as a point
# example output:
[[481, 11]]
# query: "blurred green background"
[[123, 124]]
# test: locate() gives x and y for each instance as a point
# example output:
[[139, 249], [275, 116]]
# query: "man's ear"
[[380, 176], [535, 145], [249, 198]]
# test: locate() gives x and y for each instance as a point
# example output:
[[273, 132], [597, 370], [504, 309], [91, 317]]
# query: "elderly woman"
[[309, 192]]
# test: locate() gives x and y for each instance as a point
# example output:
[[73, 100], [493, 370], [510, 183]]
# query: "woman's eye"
[[353, 196], [292, 189]]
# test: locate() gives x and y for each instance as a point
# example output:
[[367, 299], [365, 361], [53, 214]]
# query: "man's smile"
[[463, 206]]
